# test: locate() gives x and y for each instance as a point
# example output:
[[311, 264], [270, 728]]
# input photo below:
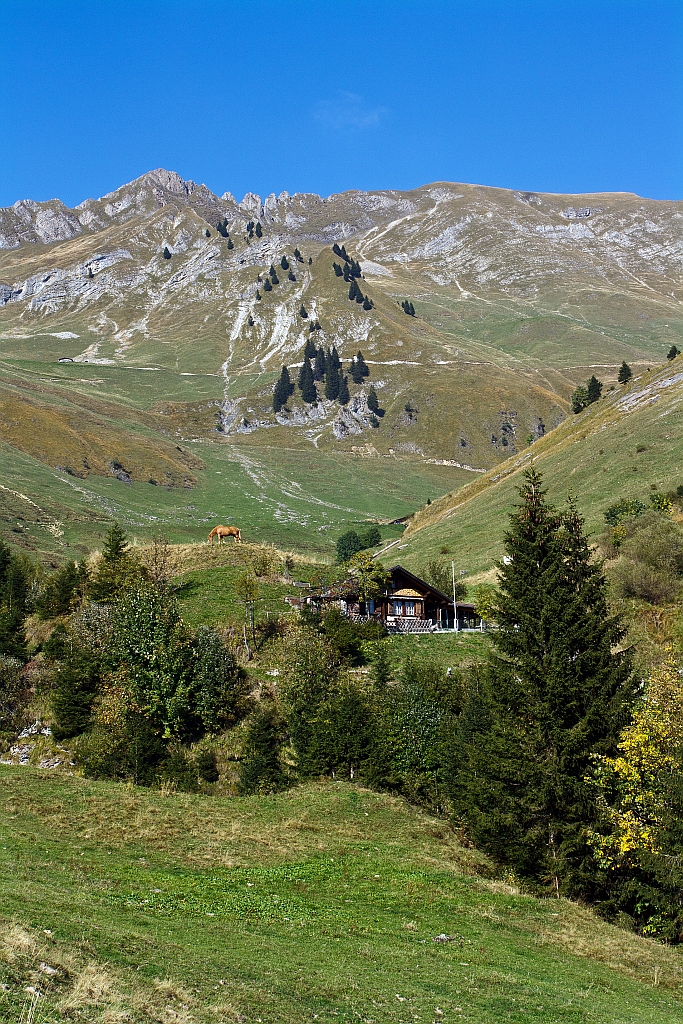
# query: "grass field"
[[320, 904], [629, 444]]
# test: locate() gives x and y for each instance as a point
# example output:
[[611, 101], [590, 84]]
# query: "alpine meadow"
[[341, 607]]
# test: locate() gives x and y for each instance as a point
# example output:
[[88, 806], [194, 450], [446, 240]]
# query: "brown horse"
[[225, 531]]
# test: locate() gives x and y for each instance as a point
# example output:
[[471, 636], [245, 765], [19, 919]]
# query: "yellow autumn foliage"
[[637, 775]]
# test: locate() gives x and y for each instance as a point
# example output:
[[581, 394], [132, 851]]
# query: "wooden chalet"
[[407, 604]]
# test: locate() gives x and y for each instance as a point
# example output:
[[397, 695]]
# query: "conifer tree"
[[343, 397], [360, 362], [309, 392], [207, 233], [167, 253], [673, 352], [333, 358], [373, 402], [303, 313], [555, 694], [320, 366], [283, 389], [353, 290], [267, 286], [309, 349], [284, 263], [261, 767], [274, 278], [331, 382], [336, 250], [230, 243], [298, 256], [356, 373], [250, 321], [337, 270], [593, 389], [291, 276], [625, 373], [310, 260], [259, 230], [367, 303], [258, 295], [345, 273]]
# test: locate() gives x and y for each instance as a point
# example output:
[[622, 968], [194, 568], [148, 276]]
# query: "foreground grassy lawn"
[[319, 904]]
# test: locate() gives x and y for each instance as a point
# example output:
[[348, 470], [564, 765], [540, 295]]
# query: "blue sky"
[[328, 95]]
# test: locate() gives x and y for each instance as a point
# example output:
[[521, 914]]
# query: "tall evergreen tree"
[[555, 694], [356, 372], [673, 352], [303, 312], [167, 253], [298, 256], [291, 276], [309, 349], [337, 270], [625, 373], [373, 401], [331, 382], [333, 358], [367, 303], [320, 366], [284, 263], [362, 365], [354, 290], [593, 389], [267, 286], [309, 392], [283, 389], [343, 397], [259, 230]]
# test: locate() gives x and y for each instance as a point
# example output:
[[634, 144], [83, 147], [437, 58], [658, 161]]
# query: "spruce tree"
[[267, 286], [320, 366], [338, 272], [259, 230], [167, 253], [298, 256], [303, 313], [230, 243], [373, 402], [554, 694], [261, 767], [291, 276], [360, 362], [333, 358], [593, 389], [274, 278], [309, 349], [331, 382], [625, 373], [258, 295], [309, 391], [336, 250], [353, 290], [343, 397], [284, 263], [345, 274], [356, 373], [367, 303], [673, 352]]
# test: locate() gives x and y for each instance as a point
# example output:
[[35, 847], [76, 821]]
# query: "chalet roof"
[[412, 578], [407, 592]]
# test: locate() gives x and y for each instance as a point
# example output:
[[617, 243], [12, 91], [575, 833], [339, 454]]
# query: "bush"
[[348, 545], [220, 685], [14, 697], [132, 751], [261, 768]]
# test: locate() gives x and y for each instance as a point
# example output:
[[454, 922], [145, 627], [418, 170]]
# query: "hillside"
[[157, 295], [326, 903], [629, 444]]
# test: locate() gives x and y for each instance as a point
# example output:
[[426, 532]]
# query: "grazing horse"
[[225, 531]]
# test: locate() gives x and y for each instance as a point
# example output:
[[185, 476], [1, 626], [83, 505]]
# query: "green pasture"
[[322, 904]]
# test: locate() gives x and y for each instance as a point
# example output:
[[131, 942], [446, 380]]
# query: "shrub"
[[261, 767], [348, 545], [14, 697]]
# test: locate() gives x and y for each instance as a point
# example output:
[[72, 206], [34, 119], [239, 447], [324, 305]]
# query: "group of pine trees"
[[254, 229], [408, 308], [586, 394], [321, 366], [272, 279], [350, 271]]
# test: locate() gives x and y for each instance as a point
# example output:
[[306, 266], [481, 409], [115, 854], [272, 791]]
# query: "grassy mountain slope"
[[319, 904], [628, 444], [518, 297]]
